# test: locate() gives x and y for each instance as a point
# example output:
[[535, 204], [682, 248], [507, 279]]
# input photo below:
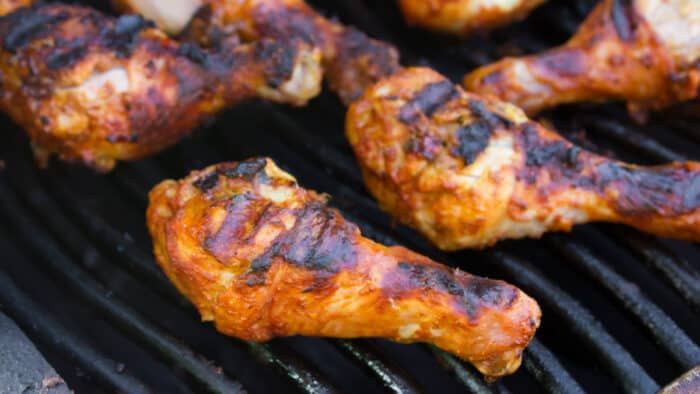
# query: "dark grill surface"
[[77, 274]]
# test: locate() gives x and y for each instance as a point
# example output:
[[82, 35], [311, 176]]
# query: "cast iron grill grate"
[[620, 308]]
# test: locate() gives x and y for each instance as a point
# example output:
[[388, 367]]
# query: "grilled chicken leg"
[[263, 258], [644, 52], [352, 61], [468, 171], [462, 17], [96, 89]]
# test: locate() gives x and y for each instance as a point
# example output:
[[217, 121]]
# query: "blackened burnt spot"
[[241, 212], [493, 119], [255, 281], [122, 36], [29, 24], [561, 159], [691, 197], [264, 261], [247, 169], [622, 18], [286, 23], [308, 233], [473, 139], [66, 57], [470, 292], [427, 101], [381, 59], [278, 60], [668, 190], [208, 182], [492, 292], [546, 153], [541, 152], [193, 52], [320, 240]]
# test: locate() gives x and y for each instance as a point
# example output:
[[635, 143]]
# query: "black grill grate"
[[620, 308]]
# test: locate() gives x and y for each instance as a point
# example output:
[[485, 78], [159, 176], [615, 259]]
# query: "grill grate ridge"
[[24, 311]]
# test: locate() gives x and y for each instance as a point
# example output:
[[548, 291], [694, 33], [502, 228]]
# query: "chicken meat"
[[644, 52], [97, 89], [7, 6], [468, 171], [463, 17], [262, 258], [352, 61]]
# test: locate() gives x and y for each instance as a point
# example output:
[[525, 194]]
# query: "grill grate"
[[80, 279]]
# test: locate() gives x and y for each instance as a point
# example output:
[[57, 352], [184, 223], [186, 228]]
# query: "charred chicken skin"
[[644, 52], [351, 60], [462, 17], [262, 258], [96, 89], [468, 171]]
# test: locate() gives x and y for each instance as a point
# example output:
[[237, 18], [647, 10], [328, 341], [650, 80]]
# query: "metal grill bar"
[[617, 360], [114, 310], [136, 263], [390, 376], [25, 312], [306, 378], [545, 367], [469, 377], [671, 337], [632, 139], [676, 271]]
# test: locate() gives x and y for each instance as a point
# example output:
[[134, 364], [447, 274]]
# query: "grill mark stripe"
[[28, 26], [427, 101], [621, 18]]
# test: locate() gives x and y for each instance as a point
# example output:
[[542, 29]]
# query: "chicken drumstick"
[[262, 258], [468, 171], [644, 52], [352, 61], [96, 89], [462, 17]]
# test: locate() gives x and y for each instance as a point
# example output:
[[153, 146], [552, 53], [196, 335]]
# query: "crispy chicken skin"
[[644, 52], [462, 17], [262, 258], [7, 6], [351, 60], [468, 171], [96, 89]]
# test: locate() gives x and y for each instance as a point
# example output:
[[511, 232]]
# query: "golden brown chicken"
[[644, 52], [352, 61], [468, 171], [462, 17], [7, 6], [97, 89], [262, 257]]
